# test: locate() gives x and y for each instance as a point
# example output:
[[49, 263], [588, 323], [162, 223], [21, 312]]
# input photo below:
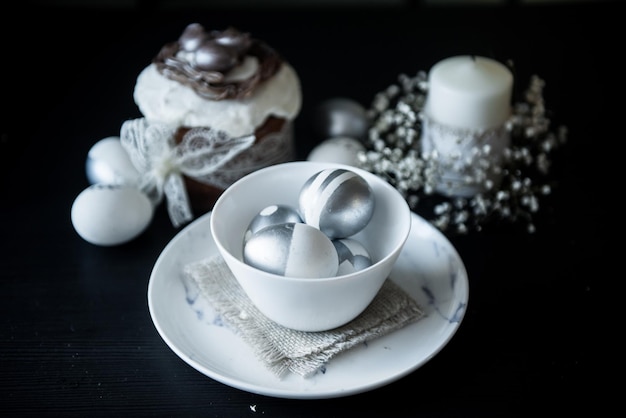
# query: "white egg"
[[341, 150], [353, 256], [293, 250], [110, 215], [109, 163]]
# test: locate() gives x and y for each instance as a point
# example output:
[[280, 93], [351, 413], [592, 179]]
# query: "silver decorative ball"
[[272, 215], [339, 202], [341, 117], [293, 250], [353, 256]]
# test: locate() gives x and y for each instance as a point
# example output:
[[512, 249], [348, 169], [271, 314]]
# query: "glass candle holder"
[[466, 161]]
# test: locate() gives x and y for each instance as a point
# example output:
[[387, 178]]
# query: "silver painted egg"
[[341, 117], [211, 56], [353, 256], [337, 201], [293, 250], [109, 163], [272, 215]]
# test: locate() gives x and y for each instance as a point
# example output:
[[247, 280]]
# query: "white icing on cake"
[[166, 101]]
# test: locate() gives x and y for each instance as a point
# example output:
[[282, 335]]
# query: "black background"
[[75, 332]]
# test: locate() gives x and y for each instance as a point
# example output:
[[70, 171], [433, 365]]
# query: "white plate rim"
[[445, 302]]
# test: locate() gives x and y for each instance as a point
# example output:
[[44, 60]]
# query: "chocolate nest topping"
[[213, 55]]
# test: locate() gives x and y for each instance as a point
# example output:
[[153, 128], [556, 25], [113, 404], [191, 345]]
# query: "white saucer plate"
[[429, 269]]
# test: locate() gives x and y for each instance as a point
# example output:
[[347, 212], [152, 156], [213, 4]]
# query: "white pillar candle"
[[469, 92], [463, 132]]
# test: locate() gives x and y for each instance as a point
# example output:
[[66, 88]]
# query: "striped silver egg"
[[353, 256], [292, 249], [337, 201]]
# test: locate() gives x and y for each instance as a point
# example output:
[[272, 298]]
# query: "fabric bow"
[[162, 163]]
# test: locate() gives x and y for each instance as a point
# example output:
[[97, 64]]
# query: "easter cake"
[[229, 82]]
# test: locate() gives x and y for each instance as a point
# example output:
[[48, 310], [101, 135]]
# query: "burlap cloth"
[[285, 350]]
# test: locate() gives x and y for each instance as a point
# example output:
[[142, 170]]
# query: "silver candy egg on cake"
[[337, 201], [353, 256], [292, 249], [192, 37], [211, 56], [239, 42], [214, 51], [272, 215]]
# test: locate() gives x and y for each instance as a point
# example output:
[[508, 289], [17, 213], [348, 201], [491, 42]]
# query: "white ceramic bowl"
[[308, 304]]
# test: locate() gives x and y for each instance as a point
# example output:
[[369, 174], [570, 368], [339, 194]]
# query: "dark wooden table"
[[76, 336]]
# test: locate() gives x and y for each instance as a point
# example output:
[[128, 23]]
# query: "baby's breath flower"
[[392, 152]]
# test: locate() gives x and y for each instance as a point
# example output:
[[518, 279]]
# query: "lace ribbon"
[[162, 163]]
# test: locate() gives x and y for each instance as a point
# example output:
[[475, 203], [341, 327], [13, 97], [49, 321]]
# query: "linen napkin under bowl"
[[285, 350]]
